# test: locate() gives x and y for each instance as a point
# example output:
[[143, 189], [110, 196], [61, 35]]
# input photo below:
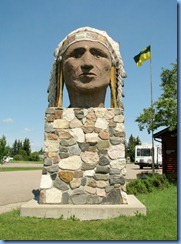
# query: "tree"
[[26, 146], [164, 110], [130, 147], [4, 149], [15, 148]]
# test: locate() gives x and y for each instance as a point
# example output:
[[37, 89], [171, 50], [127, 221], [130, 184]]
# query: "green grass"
[[19, 169], [26, 162], [159, 224]]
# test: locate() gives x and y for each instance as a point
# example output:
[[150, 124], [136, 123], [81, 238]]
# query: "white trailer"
[[143, 156]]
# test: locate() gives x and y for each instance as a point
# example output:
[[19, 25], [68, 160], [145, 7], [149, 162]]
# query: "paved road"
[[21, 186], [132, 170], [17, 187]]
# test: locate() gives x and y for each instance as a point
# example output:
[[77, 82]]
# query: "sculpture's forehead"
[[87, 45]]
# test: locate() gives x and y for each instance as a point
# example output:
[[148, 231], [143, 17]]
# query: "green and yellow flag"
[[144, 55]]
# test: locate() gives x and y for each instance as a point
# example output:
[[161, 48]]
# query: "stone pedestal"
[[84, 156]]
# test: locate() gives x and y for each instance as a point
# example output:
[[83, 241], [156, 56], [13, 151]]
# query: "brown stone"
[[92, 149], [92, 183], [91, 117], [119, 134], [78, 174], [66, 176], [58, 114], [56, 159], [97, 130], [112, 124], [64, 135], [50, 118], [87, 129], [89, 123], [104, 135], [75, 123], [75, 183], [52, 136], [42, 197]]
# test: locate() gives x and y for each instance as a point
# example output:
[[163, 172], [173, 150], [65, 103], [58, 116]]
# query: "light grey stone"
[[78, 197], [49, 127], [71, 163], [101, 176], [60, 184], [119, 127], [109, 114], [101, 192], [90, 190], [89, 173], [116, 151], [74, 150], [100, 112], [119, 118], [65, 198], [101, 123], [75, 123], [51, 146], [52, 169], [102, 144], [103, 161], [64, 142], [60, 124], [91, 199], [102, 169], [113, 197], [46, 182], [53, 196], [91, 137], [83, 181], [79, 114], [117, 180], [68, 114], [117, 164], [78, 134], [102, 184], [71, 142], [115, 140], [75, 183], [115, 171], [47, 162], [90, 157], [50, 110]]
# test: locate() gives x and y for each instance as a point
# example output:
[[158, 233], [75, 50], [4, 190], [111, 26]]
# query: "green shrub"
[[147, 184], [18, 157], [34, 156]]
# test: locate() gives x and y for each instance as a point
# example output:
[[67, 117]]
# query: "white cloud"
[[27, 130], [8, 120]]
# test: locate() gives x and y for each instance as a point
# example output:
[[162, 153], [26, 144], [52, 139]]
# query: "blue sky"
[[31, 30]]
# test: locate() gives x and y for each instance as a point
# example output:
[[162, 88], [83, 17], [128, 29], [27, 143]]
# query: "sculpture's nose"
[[87, 61]]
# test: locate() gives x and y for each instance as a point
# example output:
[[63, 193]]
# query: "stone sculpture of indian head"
[[87, 61]]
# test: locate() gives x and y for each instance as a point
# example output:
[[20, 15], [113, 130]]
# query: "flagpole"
[[152, 113]]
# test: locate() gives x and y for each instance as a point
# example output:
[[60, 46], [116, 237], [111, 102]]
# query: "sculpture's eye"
[[77, 55], [97, 53]]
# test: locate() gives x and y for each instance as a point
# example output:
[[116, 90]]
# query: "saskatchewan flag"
[[144, 55]]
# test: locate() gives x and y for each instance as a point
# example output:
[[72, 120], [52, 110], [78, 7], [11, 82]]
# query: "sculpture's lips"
[[88, 74]]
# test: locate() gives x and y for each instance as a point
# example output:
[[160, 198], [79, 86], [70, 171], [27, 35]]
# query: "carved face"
[[86, 66]]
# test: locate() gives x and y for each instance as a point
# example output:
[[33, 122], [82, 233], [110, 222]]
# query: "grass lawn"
[[18, 166], [4, 169], [26, 162], [159, 224]]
